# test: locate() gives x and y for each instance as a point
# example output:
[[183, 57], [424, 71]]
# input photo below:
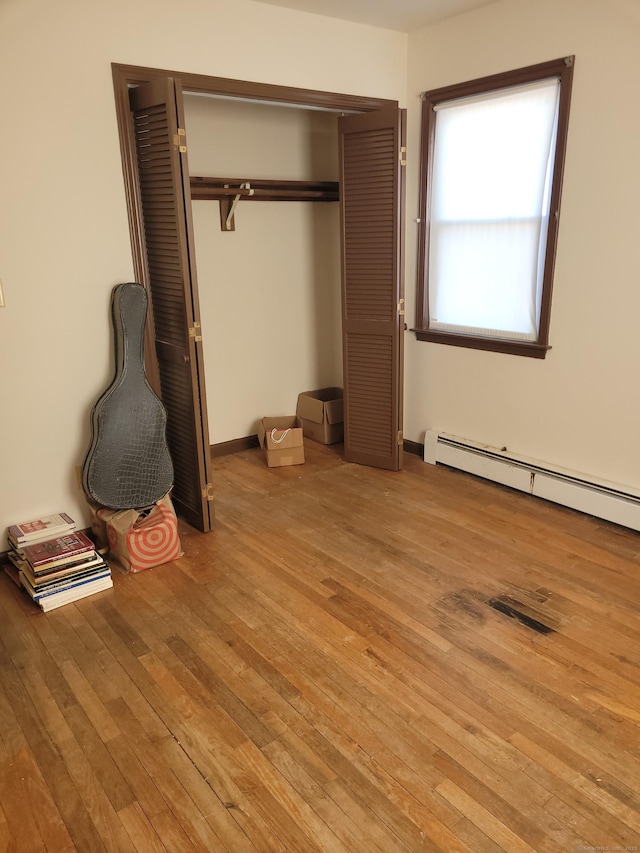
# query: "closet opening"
[[269, 284], [155, 145]]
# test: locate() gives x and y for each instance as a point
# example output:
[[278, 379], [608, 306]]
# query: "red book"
[[55, 551]]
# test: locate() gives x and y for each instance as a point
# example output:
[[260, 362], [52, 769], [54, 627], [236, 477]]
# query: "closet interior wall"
[[270, 289]]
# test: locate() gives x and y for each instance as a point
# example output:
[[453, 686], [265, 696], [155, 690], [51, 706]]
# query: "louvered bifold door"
[[371, 203], [168, 233]]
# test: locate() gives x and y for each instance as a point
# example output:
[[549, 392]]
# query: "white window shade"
[[490, 192]]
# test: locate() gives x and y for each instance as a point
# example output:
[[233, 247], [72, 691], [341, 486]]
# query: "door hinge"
[[193, 332], [400, 437], [180, 140], [403, 159], [207, 493], [401, 307]]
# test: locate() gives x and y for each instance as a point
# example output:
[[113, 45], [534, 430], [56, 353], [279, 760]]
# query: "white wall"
[[580, 407], [64, 240], [270, 290]]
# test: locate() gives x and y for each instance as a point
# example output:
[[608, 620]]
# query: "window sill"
[[524, 348]]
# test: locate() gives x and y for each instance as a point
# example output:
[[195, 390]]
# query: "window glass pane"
[[489, 210], [485, 277]]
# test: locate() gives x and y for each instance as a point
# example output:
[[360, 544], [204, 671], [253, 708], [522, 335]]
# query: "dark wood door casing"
[[134, 75], [126, 78]]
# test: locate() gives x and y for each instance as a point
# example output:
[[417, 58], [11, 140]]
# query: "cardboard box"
[[141, 539], [322, 414], [282, 440]]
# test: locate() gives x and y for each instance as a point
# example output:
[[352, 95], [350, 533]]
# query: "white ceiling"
[[403, 15]]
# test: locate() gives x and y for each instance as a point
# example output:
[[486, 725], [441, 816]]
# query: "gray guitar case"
[[128, 465]]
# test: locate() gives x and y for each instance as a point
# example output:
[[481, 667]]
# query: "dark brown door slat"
[[166, 208], [371, 192]]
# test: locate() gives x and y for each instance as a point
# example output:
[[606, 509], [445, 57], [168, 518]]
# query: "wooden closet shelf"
[[263, 190]]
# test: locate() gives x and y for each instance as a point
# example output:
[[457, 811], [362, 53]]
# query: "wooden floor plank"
[[625, 816], [19, 817], [217, 816], [505, 838], [193, 787], [325, 672], [6, 835], [140, 831]]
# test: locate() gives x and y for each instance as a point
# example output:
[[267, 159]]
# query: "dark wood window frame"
[[563, 70]]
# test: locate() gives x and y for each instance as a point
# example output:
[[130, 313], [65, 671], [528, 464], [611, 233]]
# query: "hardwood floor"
[[355, 660]]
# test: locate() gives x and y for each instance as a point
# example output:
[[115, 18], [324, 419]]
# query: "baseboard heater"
[[610, 501]]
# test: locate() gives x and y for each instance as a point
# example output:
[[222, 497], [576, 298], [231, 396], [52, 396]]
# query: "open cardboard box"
[[281, 439], [322, 414]]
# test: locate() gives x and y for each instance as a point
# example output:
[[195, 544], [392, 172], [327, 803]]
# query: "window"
[[491, 174]]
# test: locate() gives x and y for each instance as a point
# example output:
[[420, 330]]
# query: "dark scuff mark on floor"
[[514, 609]]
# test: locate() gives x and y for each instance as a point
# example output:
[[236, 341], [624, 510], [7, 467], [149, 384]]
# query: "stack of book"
[[57, 570]]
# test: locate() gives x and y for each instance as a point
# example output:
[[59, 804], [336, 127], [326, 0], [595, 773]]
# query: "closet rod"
[[203, 188]]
